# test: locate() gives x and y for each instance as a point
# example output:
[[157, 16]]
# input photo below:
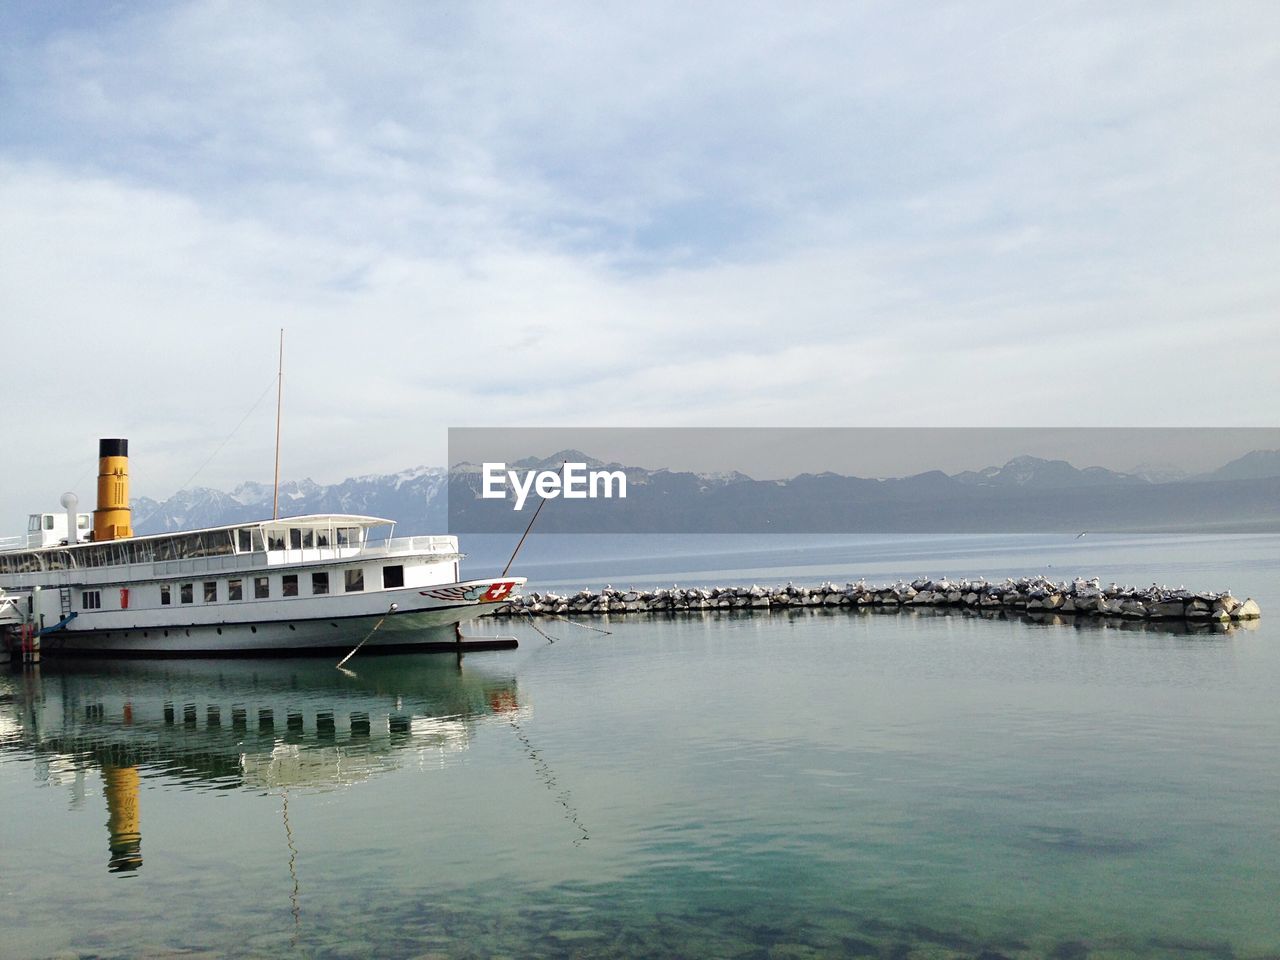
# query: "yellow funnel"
[[111, 521]]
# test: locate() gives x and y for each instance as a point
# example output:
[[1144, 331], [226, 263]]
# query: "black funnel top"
[[113, 448]]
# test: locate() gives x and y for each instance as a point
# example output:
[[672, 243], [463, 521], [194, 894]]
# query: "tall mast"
[[275, 498]]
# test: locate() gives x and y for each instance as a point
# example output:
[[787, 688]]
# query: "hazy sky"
[[622, 214]]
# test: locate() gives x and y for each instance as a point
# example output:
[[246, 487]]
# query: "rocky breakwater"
[[1024, 595]]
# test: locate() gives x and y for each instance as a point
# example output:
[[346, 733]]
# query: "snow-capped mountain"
[[1159, 472], [415, 498], [1035, 472]]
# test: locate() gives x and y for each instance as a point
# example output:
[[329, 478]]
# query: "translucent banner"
[[863, 480]]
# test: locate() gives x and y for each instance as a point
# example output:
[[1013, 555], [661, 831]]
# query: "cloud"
[[615, 214]]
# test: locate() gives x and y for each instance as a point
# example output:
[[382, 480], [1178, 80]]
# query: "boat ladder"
[[64, 602]]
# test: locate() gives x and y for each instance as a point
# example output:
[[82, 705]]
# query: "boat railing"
[[13, 543], [230, 561], [442, 547]]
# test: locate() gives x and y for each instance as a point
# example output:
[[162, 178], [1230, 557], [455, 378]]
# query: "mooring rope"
[[550, 639], [390, 610], [296, 908], [552, 783], [584, 626]]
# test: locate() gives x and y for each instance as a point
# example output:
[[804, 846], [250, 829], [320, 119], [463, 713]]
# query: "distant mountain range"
[[1026, 493], [1032, 471], [416, 498]]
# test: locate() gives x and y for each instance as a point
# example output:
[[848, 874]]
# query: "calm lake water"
[[755, 785]]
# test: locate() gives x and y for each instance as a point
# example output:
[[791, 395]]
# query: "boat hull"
[[275, 640], [411, 619]]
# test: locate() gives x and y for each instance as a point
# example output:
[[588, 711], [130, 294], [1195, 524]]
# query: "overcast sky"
[[621, 214]]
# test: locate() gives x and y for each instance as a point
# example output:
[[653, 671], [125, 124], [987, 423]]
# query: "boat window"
[[354, 580], [186, 592], [289, 584], [165, 598], [261, 588], [295, 538], [308, 539], [319, 583], [393, 576], [348, 536], [90, 600], [244, 538], [322, 539], [212, 544], [82, 521], [48, 521], [33, 523], [235, 589], [274, 540], [20, 563], [211, 591]]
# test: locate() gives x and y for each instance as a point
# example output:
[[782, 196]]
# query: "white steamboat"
[[310, 584]]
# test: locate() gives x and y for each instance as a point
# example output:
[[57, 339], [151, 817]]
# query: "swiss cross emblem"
[[498, 591]]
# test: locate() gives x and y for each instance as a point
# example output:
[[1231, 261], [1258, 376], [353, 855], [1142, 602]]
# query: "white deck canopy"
[[316, 532]]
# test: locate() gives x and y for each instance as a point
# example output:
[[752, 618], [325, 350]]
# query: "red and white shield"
[[497, 591]]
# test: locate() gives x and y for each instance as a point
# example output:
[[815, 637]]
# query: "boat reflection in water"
[[262, 725]]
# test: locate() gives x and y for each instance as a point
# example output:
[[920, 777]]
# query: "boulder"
[[1248, 610], [1133, 609], [1226, 604], [1197, 609], [1167, 609]]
